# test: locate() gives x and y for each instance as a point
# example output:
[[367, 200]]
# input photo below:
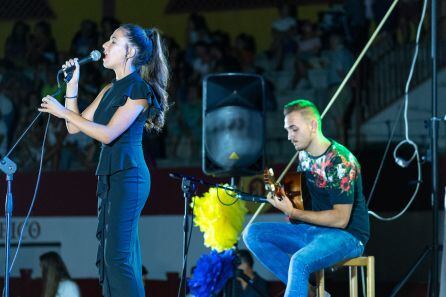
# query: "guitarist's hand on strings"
[[281, 202]]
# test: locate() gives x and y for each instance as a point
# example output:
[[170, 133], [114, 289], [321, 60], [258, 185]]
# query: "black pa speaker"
[[233, 124]]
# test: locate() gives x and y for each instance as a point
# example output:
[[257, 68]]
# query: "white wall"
[[161, 244], [396, 245]]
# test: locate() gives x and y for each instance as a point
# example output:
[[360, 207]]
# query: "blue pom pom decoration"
[[211, 273]]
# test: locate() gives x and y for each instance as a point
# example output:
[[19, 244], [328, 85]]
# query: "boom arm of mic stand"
[[29, 126], [238, 194], [200, 181]]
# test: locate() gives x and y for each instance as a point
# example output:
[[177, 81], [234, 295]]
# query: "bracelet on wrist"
[[70, 97]]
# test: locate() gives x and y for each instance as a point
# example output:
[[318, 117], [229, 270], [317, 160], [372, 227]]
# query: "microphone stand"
[[237, 193], [8, 167], [188, 187]]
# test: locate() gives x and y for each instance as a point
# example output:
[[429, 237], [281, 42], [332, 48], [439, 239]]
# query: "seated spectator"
[[300, 77], [191, 121], [55, 138], [77, 152], [339, 61], [282, 31], [85, 40], [332, 20], [202, 63], [245, 50], [43, 45], [357, 24], [309, 42], [3, 136], [7, 112], [196, 31], [217, 57], [257, 286], [270, 92], [286, 20], [55, 277], [17, 44], [222, 60]]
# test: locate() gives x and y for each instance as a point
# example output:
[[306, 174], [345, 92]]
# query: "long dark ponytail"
[[151, 61]]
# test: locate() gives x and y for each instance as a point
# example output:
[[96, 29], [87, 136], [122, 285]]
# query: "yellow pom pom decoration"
[[221, 224]]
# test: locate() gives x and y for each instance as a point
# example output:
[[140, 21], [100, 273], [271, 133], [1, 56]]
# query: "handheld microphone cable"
[[94, 56], [36, 188], [39, 174]]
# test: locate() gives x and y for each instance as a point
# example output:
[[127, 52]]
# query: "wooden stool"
[[368, 262]]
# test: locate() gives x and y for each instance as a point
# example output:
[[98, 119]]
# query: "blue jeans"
[[292, 252]]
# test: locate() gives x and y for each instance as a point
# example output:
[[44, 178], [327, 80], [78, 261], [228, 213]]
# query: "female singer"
[[116, 118]]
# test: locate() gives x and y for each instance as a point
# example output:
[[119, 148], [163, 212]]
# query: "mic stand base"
[[188, 187]]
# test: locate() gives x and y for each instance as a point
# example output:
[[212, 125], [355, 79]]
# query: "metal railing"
[[382, 78]]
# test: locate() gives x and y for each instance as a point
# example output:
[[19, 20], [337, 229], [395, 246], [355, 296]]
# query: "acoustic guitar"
[[291, 184]]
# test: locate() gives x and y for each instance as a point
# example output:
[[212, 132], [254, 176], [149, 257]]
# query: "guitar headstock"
[[291, 187], [270, 181]]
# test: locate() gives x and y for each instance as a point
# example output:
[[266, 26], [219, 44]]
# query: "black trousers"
[[121, 198]]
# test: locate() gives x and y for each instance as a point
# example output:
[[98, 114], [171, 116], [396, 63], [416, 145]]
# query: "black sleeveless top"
[[126, 150]]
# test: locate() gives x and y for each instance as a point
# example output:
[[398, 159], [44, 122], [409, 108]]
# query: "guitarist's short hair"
[[305, 106]]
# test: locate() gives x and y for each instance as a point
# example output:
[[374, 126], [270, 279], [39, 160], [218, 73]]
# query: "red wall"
[[74, 193]]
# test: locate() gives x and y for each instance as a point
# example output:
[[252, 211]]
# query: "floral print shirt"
[[335, 178]]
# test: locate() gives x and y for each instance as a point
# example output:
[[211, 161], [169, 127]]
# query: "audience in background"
[[55, 277], [249, 283], [305, 59]]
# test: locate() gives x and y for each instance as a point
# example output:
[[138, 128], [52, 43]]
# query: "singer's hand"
[[52, 106], [70, 63]]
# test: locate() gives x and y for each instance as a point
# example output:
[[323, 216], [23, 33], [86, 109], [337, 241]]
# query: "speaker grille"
[[233, 124]]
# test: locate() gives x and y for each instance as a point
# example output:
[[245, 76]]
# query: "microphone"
[[251, 198], [94, 56]]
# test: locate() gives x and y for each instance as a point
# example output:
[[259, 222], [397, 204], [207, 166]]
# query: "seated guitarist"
[[337, 226]]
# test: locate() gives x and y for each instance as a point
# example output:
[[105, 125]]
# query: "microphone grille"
[[95, 55]]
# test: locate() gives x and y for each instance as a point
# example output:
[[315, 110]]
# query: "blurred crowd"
[[305, 59]]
